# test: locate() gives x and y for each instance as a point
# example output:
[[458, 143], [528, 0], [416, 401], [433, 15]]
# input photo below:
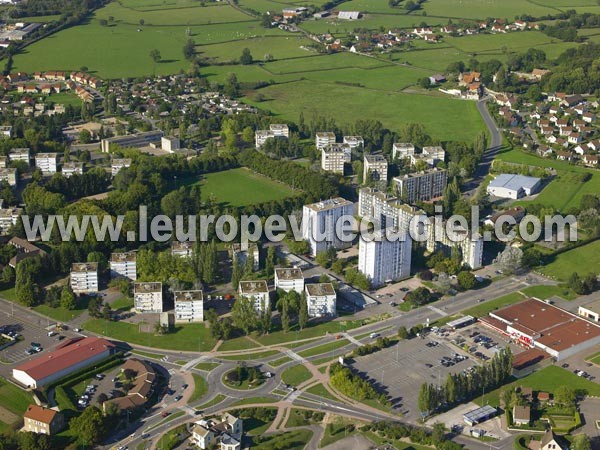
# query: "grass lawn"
[[336, 431], [296, 375], [301, 417], [443, 117], [200, 388], [240, 343], [250, 356], [478, 9], [122, 304], [595, 358], [60, 314], [500, 302], [543, 292], [313, 330], [254, 401], [325, 348], [13, 399], [241, 187], [290, 440], [148, 354], [206, 366], [547, 379], [582, 260], [193, 337], [214, 401], [320, 390], [9, 294], [280, 361], [280, 47]]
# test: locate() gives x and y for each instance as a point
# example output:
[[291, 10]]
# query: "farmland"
[[582, 260]]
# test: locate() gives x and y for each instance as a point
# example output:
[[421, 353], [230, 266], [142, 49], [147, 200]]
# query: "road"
[[483, 169]]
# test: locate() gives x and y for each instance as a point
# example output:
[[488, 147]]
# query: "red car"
[[165, 414]]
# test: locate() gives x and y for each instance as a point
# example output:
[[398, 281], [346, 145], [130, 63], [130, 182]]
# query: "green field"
[[192, 337], [240, 187], [500, 302], [250, 356], [480, 9], [14, 400], [581, 260], [444, 118], [325, 348], [547, 379], [296, 375], [200, 388], [566, 190], [544, 292]]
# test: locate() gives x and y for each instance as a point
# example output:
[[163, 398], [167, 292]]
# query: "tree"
[[466, 280], [510, 260], [189, 50], [565, 396], [243, 314], [285, 318], [581, 442], [142, 22], [303, 312], [155, 55], [402, 333], [103, 22], [89, 427], [236, 273], [425, 83], [246, 57], [67, 298]]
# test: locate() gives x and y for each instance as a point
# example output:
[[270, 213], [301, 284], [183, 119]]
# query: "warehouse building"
[[507, 185]]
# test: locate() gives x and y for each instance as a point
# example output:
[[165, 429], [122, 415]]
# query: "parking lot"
[[27, 334], [404, 367]]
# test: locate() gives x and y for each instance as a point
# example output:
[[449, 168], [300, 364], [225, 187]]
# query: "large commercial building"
[[321, 300], [47, 162], [375, 168], [334, 158], [148, 297], [84, 278], [69, 357], [189, 306], [508, 185], [289, 280], [386, 257], [136, 140], [537, 324], [123, 265], [258, 292], [319, 224], [323, 139], [421, 186]]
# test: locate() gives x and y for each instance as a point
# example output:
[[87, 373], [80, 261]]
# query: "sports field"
[[240, 187]]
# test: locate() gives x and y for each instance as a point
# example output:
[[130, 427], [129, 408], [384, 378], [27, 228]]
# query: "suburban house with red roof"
[[70, 357], [38, 419]]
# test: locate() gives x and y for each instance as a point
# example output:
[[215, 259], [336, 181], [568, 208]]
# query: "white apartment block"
[[375, 168], [289, 279], [183, 249], [323, 139], [244, 251], [354, 141], [19, 154], [279, 129], [402, 150], [319, 223], [471, 247], [170, 144], [72, 168], [8, 218], [84, 278], [321, 300], [47, 162], [189, 306], [276, 130], [388, 211], [258, 292], [3, 162], [123, 265], [9, 175], [118, 164], [148, 297], [335, 157], [5, 131], [431, 155], [386, 257], [421, 186]]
